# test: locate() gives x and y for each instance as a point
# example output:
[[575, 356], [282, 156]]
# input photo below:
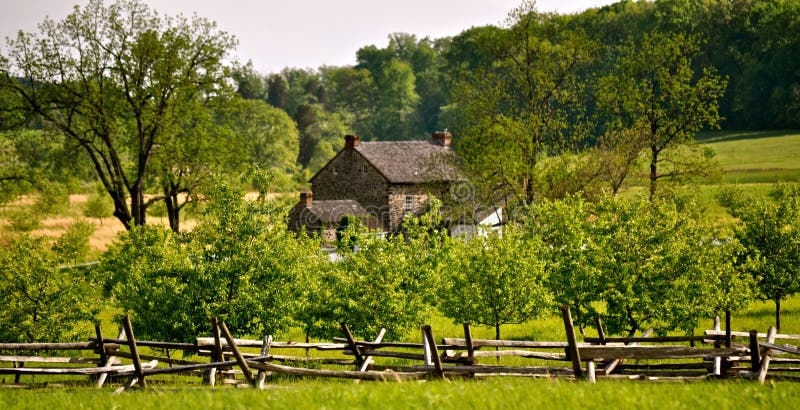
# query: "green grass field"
[[501, 393], [756, 157]]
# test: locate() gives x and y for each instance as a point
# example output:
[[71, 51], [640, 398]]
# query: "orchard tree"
[[769, 231], [114, 80], [661, 265], [41, 301], [495, 280], [240, 264], [378, 283], [574, 276], [656, 93]]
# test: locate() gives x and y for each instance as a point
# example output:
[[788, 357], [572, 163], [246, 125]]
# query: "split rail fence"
[[715, 354]]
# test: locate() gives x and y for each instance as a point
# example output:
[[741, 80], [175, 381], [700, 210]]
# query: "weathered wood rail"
[[716, 353]]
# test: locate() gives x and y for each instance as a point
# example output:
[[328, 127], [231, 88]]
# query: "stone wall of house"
[[418, 196], [350, 176]]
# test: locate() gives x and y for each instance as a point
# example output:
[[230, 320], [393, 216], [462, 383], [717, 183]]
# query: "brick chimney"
[[306, 198], [351, 141], [442, 138]]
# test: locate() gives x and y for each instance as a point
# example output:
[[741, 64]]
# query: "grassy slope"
[[756, 157]]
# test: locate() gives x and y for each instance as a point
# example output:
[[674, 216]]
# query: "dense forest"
[[411, 87]]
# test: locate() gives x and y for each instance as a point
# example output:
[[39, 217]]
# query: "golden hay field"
[[106, 229]]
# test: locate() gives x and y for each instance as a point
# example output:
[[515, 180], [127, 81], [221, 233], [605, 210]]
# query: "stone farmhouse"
[[379, 183]]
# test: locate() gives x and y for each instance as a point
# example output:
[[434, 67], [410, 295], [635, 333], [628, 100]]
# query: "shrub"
[[24, 220], [52, 199], [98, 206]]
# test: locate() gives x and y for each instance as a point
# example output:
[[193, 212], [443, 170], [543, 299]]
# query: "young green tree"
[[376, 285], [769, 231], [655, 91], [114, 80], [240, 264], [573, 275], [495, 280], [41, 301], [661, 265], [379, 282]]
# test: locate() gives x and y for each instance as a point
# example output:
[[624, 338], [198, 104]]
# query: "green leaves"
[[527, 105], [494, 280], [770, 235], [240, 264], [637, 264], [42, 302], [655, 91]]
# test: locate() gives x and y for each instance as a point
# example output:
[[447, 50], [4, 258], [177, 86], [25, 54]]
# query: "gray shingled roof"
[[332, 211], [404, 162]]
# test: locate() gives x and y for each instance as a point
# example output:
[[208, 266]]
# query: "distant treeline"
[[402, 91]]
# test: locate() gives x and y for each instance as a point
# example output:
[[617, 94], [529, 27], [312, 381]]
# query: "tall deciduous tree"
[[655, 89], [526, 105], [114, 79]]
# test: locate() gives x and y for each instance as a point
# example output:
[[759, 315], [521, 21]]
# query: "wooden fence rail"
[[592, 358]]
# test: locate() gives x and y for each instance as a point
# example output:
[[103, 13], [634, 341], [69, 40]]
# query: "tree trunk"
[[653, 171], [137, 204], [497, 337], [778, 314], [121, 211], [173, 209]]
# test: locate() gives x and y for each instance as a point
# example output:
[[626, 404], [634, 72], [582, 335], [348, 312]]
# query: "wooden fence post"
[[755, 352], [368, 360], [352, 342], [717, 360], [592, 378], [601, 334], [426, 348], [437, 361], [101, 378], [468, 342], [262, 375], [236, 353], [217, 354], [728, 337], [572, 348], [762, 372], [101, 346], [137, 364]]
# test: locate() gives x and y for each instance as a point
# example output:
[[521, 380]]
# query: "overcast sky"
[[307, 33]]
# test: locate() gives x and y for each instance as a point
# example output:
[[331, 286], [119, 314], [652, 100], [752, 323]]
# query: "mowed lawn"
[[500, 393], [756, 157]]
